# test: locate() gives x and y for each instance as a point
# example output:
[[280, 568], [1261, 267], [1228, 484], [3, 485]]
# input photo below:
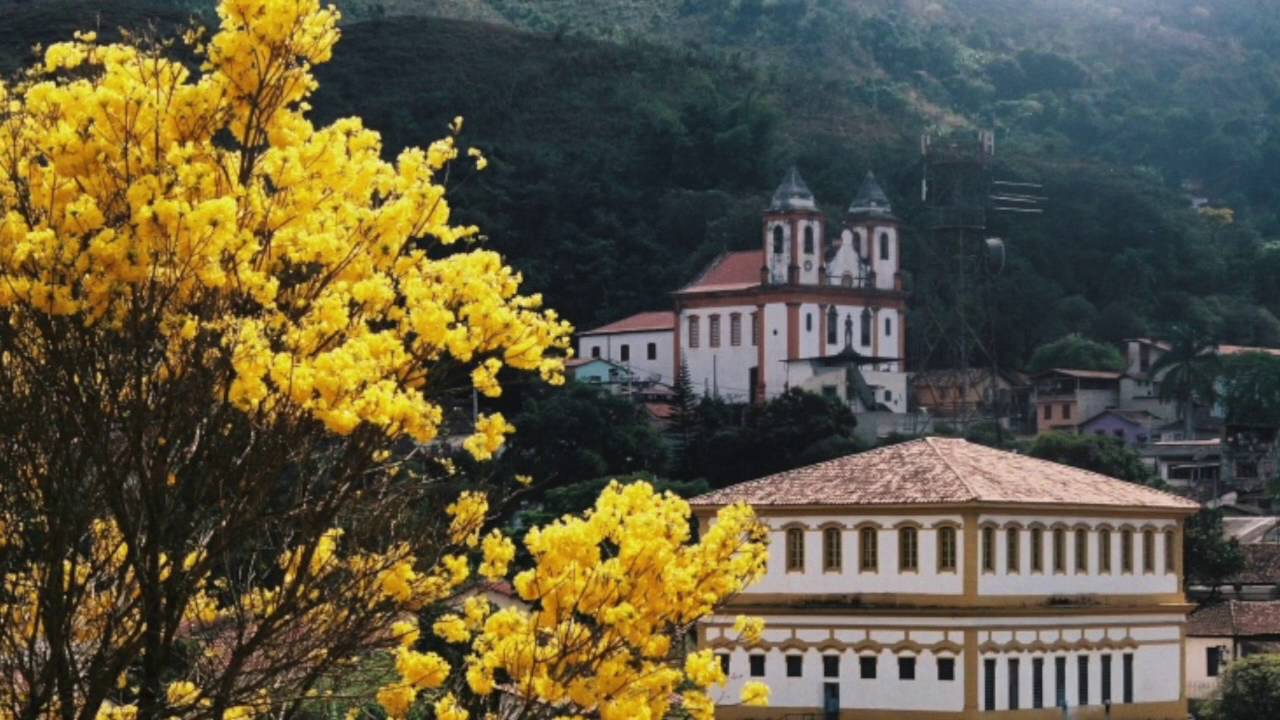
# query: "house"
[[943, 579], [959, 396], [598, 371], [1192, 465], [1225, 631], [642, 343], [751, 324], [1131, 427], [1065, 397]]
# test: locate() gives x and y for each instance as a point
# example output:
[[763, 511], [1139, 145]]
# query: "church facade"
[[941, 579], [811, 308]]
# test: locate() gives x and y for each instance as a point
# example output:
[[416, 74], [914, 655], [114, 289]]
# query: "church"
[[938, 578], [809, 308]]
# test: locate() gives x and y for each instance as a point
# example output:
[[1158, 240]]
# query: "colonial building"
[[809, 308], [943, 579]]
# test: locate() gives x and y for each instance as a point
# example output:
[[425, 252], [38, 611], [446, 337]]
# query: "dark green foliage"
[[1208, 557], [736, 443], [619, 170], [577, 432], [1248, 690], [1104, 455], [1076, 352], [1251, 389]]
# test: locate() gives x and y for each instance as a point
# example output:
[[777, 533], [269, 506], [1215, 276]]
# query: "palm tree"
[[1187, 372]]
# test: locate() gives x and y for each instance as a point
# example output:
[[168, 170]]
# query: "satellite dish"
[[995, 254]]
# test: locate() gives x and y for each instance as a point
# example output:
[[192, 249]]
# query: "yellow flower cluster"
[[294, 254], [607, 593]]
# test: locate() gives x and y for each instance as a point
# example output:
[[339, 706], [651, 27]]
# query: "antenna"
[[963, 257]]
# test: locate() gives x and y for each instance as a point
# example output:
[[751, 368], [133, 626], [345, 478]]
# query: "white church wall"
[[722, 370]]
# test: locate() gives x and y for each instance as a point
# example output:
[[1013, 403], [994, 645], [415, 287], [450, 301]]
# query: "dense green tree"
[[1251, 389], [1208, 556], [1076, 352], [1104, 455], [1187, 372], [579, 432], [1248, 690], [736, 443]]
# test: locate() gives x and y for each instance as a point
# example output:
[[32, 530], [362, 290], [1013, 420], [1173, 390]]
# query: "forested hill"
[[632, 141]]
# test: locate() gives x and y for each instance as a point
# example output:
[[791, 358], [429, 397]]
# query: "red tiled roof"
[[640, 322], [660, 411], [941, 471], [1236, 618], [730, 271]]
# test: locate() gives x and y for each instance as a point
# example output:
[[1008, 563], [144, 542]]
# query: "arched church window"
[[833, 322], [847, 279], [795, 550], [808, 240], [777, 239], [884, 246], [866, 327]]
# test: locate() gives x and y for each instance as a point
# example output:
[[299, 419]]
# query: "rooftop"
[[640, 322], [1093, 374], [1261, 565], [941, 471], [1236, 618], [1249, 529], [729, 271], [792, 194], [1243, 349], [871, 200]]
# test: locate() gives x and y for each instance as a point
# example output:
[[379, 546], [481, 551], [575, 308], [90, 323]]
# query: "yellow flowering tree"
[[224, 333]]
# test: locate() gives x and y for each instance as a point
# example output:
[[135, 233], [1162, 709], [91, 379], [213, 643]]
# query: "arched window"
[[1011, 539], [846, 279], [1082, 550], [1059, 550], [1126, 551], [946, 549], [1148, 551], [869, 552], [1037, 550], [735, 329], [795, 550], [884, 246], [989, 549], [1104, 551], [777, 240], [714, 330], [808, 322], [831, 558], [866, 326], [693, 331], [908, 550], [1170, 558], [808, 239], [833, 325]]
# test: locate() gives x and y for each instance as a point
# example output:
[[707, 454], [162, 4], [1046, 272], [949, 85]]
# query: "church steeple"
[[792, 194], [870, 202], [792, 234]]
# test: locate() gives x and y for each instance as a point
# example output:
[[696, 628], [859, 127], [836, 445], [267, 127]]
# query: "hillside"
[[619, 169]]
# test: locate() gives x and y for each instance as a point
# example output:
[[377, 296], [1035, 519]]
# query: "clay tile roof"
[[640, 322], [941, 471], [1236, 618], [1261, 565], [730, 271]]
